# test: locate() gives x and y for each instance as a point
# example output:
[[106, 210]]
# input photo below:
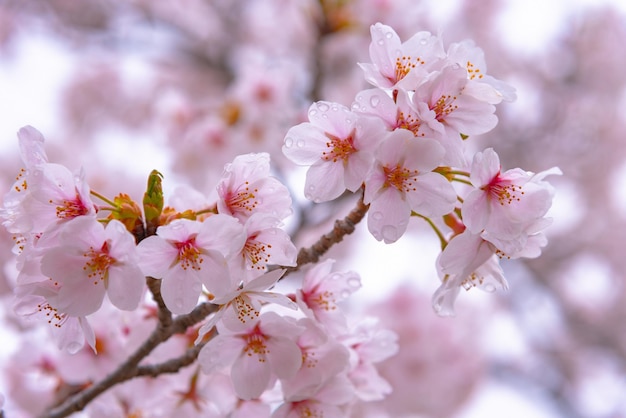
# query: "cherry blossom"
[[400, 64], [265, 244], [322, 289], [264, 350], [339, 146], [92, 260], [45, 195], [187, 254], [402, 181], [242, 306], [247, 187], [507, 207], [467, 261]]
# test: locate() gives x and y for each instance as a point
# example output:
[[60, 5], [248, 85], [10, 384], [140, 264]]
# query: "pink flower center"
[[243, 199], [244, 308], [70, 209], [472, 71], [340, 149], [98, 262], [256, 253], [444, 106], [255, 344], [405, 64], [503, 191], [401, 178], [189, 255], [409, 122], [317, 300]]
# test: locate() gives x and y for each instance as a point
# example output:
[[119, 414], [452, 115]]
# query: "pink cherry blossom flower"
[[321, 292], [187, 254], [243, 306], [323, 358], [247, 187], [397, 64], [441, 103], [265, 244], [89, 261], [266, 349], [332, 400], [468, 261], [369, 343], [45, 195], [402, 181], [338, 144], [481, 85], [69, 332], [507, 207]]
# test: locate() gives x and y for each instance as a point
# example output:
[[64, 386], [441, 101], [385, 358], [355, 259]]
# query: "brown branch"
[[341, 228], [172, 365], [130, 369], [163, 314]]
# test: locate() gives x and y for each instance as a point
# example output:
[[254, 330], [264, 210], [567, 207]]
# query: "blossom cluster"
[[402, 145], [70, 259], [405, 142]]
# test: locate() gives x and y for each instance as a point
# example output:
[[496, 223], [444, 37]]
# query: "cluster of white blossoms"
[[403, 143]]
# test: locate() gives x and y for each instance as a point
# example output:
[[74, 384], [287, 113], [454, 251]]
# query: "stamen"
[[340, 148]]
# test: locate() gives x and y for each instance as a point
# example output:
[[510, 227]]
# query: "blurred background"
[[120, 87]]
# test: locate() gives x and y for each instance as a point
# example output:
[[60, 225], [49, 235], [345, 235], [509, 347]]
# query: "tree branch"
[[341, 228]]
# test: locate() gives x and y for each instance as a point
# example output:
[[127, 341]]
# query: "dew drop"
[[288, 142], [390, 233], [354, 282], [73, 347], [323, 107], [348, 121], [377, 216], [374, 101], [344, 294], [423, 41], [389, 35], [300, 143], [381, 42], [312, 112], [489, 288], [311, 188], [335, 276]]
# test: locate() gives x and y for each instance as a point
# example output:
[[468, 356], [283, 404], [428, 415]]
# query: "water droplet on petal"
[[348, 121], [423, 41], [381, 42], [311, 188], [344, 294], [389, 35], [390, 233], [489, 288], [312, 112], [374, 101], [354, 282], [288, 142], [323, 107], [377, 216], [300, 143]]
